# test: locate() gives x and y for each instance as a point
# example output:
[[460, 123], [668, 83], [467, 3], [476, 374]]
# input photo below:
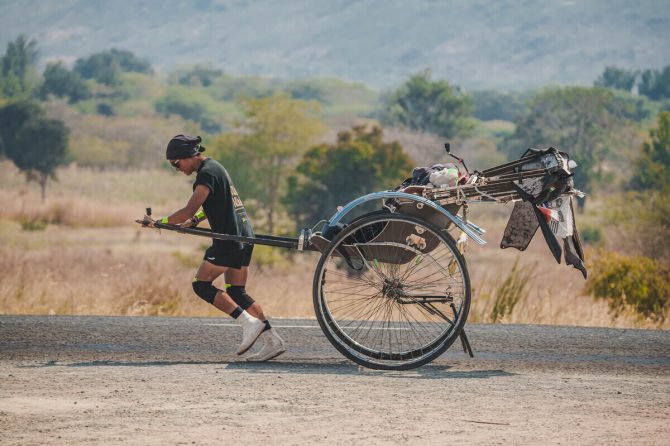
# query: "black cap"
[[183, 146]]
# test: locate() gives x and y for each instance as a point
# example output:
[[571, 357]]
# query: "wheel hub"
[[393, 288]]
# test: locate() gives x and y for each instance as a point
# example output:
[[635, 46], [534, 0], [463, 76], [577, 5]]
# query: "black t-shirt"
[[223, 206]]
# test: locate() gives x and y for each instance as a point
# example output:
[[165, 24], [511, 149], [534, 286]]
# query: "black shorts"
[[232, 259]]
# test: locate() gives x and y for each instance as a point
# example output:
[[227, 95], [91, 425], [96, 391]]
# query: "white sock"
[[246, 318]]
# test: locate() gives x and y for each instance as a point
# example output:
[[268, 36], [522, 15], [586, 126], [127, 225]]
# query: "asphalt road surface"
[[120, 380]]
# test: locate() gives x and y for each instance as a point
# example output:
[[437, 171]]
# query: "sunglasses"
[[175, 163]]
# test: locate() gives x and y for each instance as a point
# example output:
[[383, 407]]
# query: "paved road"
[[69, 340], [109, 380]]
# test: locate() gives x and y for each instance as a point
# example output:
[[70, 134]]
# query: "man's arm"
[[197, 199]]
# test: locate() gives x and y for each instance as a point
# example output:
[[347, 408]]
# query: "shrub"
[[106, 67], [591, 235], [190, 104], [639, 283], [267, 256], [197, 75], [33, 224], [104, 109], [642, 224]]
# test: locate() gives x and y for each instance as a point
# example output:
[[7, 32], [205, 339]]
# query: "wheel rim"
[[394, 296]]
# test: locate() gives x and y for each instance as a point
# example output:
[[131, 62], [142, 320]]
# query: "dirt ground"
[[332, 404], [165, 381]]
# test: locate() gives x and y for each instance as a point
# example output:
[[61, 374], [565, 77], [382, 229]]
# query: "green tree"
[[573, 119], [641, 216], [228, 88], [43, 144], [652, 168], [617, 78], [61, 82], [198, 76], [106, 67], [270, 139], [306, 91], [232, 151], [630, 107], [18, 67], [491, 104], [189, 104], [655, 84], [13, 117], [36, 145], [428, 106], [330, 175]]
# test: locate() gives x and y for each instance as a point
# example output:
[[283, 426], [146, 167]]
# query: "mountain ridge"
[[508, 44]]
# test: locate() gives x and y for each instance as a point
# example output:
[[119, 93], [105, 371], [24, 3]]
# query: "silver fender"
[[470, 232]]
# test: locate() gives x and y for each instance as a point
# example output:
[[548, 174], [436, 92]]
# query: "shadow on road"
[[347, 368], [120, 364], [300, 367]]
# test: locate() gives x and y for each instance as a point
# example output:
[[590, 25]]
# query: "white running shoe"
[[273, 346], [251, 330]]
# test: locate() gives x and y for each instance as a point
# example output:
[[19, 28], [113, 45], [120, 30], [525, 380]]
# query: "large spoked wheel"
[[391, 292]]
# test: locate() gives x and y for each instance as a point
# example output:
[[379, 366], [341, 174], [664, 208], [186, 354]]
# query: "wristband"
[[200, 215], [164, 220]]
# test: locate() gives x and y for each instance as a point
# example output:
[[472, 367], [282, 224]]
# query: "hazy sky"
[[505, 44]]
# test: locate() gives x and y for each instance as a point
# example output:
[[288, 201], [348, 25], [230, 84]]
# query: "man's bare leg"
[[238, 277], [209, 272], [252, 326], [273, 344]]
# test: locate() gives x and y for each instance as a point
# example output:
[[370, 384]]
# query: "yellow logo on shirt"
[[237, 202]]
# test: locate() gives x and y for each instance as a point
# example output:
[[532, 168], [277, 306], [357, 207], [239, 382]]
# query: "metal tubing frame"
[[403, 195], [260, 239], [468, 228]]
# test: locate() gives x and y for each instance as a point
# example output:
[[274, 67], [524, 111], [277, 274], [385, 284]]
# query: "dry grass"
[[126, 271], [93, 260], [90, 197], [51, 273], [27, 208], [161, 186], [554, 293]]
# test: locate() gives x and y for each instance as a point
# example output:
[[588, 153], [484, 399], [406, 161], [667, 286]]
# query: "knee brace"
[[205, 290], [240, 296]]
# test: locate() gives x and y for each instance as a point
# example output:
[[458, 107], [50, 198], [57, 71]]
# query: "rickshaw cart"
[[391, 290]]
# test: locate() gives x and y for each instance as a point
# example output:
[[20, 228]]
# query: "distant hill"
[[477, 44]]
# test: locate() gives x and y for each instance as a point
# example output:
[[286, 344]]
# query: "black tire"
[[372, 277]]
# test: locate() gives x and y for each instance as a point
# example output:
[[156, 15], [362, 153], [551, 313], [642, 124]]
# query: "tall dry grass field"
[[80, 253], [124, 271]]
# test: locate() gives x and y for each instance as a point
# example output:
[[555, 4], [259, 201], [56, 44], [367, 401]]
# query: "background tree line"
[[579, 120], [654, 84], [271, 135]]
